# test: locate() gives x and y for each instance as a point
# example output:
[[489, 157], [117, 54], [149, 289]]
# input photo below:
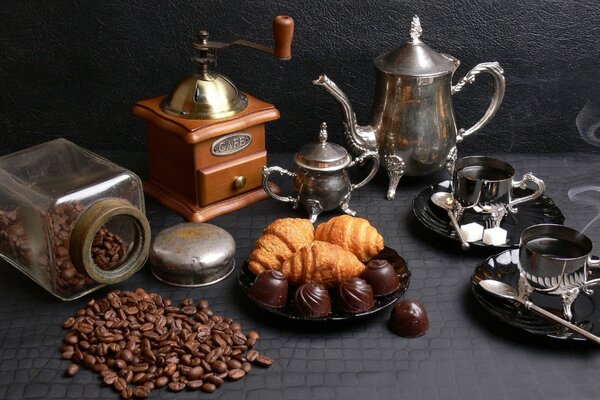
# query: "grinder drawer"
[[230, 178]]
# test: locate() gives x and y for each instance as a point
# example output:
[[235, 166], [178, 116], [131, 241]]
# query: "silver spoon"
[[505, 291], [445, 200]]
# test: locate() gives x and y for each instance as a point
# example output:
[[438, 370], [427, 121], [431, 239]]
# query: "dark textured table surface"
[[466, 353]]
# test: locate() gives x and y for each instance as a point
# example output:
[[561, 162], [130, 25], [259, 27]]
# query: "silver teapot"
[[412, 120], [321, 180]]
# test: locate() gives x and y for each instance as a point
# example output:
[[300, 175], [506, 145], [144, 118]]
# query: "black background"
[[76, 68]]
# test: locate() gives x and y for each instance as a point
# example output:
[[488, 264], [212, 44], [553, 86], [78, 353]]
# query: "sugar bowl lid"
[[192, 254], [415, 58], [323, 156]]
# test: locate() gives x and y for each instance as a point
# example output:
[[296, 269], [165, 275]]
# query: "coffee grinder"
[[206, 139]]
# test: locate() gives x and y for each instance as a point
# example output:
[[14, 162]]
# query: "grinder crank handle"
[[283, 32]]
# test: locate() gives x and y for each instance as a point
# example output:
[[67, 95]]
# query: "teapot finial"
[[415, 28], [323, 133]]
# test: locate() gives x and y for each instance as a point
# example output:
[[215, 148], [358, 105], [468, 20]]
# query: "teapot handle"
[[360, 160], [494, 69], [265, 184]]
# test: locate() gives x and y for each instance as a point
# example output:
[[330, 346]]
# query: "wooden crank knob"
[[283, 32]]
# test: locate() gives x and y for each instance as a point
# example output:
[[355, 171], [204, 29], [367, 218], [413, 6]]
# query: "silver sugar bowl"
[[321, 180]]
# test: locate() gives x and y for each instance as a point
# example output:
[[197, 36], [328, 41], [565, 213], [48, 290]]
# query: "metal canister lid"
[[192, 254], [323, 156]]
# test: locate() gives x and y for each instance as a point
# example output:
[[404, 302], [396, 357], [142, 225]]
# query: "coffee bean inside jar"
[[65, 267], [138, 342], [109, 249]]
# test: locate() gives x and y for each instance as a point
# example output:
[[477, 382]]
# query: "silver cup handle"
[[359, 161], [591, 263], [528, 177], [266, 172], [494, 69]]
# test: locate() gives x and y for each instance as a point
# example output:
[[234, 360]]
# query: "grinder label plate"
[[230, 144]]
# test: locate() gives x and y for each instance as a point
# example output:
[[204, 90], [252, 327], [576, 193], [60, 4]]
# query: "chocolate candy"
[[270, 289], [312, 300], [382, 277], [355, 296], [409, 319]]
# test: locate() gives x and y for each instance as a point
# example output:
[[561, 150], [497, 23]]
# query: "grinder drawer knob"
[[239, 182]]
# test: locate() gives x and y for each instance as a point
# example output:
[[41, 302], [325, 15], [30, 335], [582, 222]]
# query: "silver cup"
[[483, 182], [555, 259]]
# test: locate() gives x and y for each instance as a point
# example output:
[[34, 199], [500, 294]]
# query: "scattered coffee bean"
[[246, 367], [176, 386], [119, 384], [98, 368], [252, 355], [194, 385], [89, 360], [72, 370], [208, 388], [127, 393], [161, 381], [110, 379], [69, 323], [219, 366], [165, 346], [141, 392], [263, 361], [236, 374]]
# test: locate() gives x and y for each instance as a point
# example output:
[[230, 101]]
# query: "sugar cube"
[[472, 232], [494, 236]]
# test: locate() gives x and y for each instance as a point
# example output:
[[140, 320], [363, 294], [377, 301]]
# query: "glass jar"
[[71, 220]]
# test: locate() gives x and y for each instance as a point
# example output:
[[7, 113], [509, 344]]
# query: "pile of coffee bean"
[[138, 341], [108, 249]]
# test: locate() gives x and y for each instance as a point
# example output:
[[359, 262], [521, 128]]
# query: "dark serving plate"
[[539, 211], [246, 278], [503, 267]]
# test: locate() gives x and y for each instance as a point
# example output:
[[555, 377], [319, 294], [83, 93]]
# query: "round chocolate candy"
[[409, 319], [270, 289], [355, 296], [312, 300], [382, 277]]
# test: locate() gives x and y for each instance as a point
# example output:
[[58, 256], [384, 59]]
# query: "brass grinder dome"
[[204, 95]]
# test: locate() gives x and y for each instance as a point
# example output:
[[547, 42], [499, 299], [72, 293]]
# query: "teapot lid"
[[323, 156], [415, 58]]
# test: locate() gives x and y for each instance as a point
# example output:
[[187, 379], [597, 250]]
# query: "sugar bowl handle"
[[528, 177], [360, 160], [266, 172], [494, 69]]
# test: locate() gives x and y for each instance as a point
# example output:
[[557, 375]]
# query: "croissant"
[[356, 235], [322, 262], [279, 241]]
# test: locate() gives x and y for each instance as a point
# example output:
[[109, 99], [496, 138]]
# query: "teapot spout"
[[360, 138]]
